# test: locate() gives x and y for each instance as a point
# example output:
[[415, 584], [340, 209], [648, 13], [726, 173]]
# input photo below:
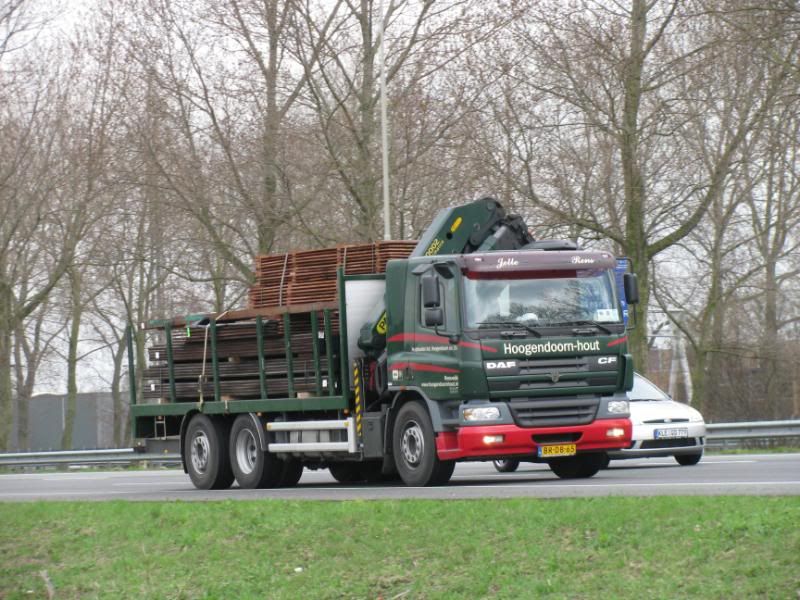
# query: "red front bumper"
[[468, 442]]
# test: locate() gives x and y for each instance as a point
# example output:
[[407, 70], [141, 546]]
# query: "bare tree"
[[422, 40], [635, 91]]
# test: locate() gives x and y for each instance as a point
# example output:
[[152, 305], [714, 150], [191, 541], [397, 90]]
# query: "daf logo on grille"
[[555, 376]]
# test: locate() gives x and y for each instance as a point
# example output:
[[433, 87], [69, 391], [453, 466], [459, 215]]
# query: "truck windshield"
[[541, 298]]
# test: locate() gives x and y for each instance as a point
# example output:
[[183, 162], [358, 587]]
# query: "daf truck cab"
[[515, 354]]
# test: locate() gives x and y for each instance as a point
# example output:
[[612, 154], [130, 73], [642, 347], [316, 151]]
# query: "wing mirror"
[[631, 285], [430, 292], [432, 301]]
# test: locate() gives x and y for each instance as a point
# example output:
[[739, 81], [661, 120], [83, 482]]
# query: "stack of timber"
[[305, 352], [295, 300], [309, 276]]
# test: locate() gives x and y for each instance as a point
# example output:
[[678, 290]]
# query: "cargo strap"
[[202, 377]]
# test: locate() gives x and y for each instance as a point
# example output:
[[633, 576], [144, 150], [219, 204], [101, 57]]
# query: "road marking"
[[182, 480], [74, 478], [615, 485], [724, 462], [37, 495]]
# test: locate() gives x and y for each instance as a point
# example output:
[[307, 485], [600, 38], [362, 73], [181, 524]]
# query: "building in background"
[[94, 422]]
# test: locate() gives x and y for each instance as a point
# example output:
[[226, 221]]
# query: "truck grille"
[[563, 411], [548, 374]]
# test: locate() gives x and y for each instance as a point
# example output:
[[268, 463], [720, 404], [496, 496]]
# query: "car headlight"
[[481, 413], [618, 407]]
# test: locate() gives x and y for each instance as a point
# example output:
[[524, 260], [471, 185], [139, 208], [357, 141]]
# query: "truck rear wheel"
[[577, 467], [205, 453], [346, 472], [414, 448], [252, 467], [292, 472]]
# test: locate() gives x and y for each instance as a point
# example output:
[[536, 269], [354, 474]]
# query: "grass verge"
[[720, 547], [766, 450]]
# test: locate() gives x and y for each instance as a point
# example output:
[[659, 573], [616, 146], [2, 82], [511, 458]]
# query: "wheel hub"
[[246, 451], [412, 443], [200, 452]]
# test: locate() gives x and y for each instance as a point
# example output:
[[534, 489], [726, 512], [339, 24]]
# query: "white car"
[[662, 427]]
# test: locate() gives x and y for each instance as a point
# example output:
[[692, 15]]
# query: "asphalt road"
[[754, 474]]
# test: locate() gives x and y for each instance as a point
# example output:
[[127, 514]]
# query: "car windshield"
[[541, 299], [644, 390]]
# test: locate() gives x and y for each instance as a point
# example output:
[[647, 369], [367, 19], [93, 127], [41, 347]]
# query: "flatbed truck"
[[483, 345]]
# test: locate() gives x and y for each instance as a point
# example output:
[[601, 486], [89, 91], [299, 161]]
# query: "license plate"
[[666, 434], [557, 450]]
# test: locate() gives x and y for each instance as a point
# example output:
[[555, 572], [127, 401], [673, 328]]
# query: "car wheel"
[[687, 460], [506, 466], [205, 453], [577, 467]]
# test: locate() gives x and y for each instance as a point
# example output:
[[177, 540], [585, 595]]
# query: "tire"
[[577, 467], [346, 472], [205, 453], [687, 460], [506, 466], [444, 472], [605, 462], [292, 472], [414, 448], [372, 471], [252, 467]]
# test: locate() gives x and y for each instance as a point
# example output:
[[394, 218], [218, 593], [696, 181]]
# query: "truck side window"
[[448, 293]]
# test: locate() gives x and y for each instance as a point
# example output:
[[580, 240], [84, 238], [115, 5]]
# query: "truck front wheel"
[[252, 467], [205, 453], [414, 448], [577, 467]]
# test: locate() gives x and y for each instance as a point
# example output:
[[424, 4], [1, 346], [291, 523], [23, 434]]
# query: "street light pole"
[[387, 224]]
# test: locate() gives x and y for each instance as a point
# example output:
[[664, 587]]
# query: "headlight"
[[618, 407], [482, 413]]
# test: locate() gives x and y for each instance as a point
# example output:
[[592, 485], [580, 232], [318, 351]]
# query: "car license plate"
[[668, 434], [557, 450]]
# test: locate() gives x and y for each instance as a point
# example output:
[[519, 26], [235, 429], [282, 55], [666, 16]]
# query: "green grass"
[[661, 547], [766, 450]]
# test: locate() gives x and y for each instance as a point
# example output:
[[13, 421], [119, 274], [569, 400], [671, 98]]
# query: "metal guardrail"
[[122, 456], [719, 434], [722, 434], [753, 429]]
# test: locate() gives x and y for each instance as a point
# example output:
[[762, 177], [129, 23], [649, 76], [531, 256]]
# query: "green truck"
[[483, 345]]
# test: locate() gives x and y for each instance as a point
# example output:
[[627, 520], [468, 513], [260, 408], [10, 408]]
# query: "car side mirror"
[[631, 285]]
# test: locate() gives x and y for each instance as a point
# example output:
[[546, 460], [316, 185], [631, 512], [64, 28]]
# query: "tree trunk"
[[72, 360], [633, 181], [770, 372], [266, 226], [6, 386], [116, 394], [366, 184]]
